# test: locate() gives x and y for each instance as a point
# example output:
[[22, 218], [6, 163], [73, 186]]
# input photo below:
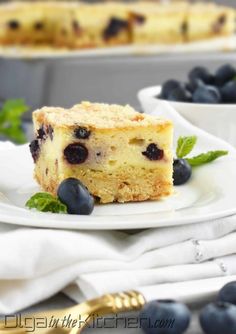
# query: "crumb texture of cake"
[[119, 154]]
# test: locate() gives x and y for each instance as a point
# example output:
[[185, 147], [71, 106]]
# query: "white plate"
[[210, 194]]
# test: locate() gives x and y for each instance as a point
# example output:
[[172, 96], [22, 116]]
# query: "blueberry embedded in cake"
[[158, 24], [117, 153], [94, 25], [209, 20]]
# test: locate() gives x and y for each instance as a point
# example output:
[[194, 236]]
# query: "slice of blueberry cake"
[[118, 153]]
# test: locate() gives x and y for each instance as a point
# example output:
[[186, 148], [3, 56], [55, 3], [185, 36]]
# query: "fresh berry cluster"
[[218, 317], [203, 86]]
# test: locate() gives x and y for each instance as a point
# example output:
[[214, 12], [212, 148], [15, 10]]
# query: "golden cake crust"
[[116, 166], [97, 115]]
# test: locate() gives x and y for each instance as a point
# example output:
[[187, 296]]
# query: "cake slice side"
[[126, 159]]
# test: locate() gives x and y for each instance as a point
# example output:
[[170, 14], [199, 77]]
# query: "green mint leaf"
[[46, 203], [185, 146], [205, 158], [10, 120]]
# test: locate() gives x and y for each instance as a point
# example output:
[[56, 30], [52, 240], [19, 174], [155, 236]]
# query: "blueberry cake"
[[94, 25], [118, 153], [163, 24], [76, 25]]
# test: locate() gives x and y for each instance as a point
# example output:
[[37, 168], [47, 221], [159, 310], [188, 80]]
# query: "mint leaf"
[[46, 203], [205, 158], [10, 120], [185, 146]]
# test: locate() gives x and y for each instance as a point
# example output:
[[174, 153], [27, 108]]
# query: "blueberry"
[[224, 74], [168, 86], [207, 94], [194, 84], [82, 133], [180, 94], [41, 134], [228, 293], [156, 313], [153, 152], [76, 153], [76, 197], [201, 73], [218, 318], [14, 25], [34, 149], [228, 92], [114, 27], [44, 131], [182, 171]]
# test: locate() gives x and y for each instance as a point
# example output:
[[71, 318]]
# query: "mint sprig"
[[10, 120], [45, 202], [185, 145], [205, 158]]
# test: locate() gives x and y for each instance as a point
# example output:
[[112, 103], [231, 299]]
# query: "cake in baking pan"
[[118, 153], [208, 20], [153, 24], [77, 25], [93, 26]]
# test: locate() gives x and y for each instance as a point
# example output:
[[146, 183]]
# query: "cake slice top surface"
[[97, 115]]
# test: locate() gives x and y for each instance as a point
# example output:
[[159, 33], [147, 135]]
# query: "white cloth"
[[37, 263]]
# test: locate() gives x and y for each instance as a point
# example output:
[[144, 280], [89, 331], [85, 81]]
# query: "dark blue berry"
[[228, 92], [153, 152], [218, 318], [182, 171], [180, 94], [201, 73], [194, 84], [114, 27], [155, 315], [34, 149], [168, 86], [76, 153], [82, 133], [207, 94], [224, 74], [76, 197], [14, 25], [228, 293], [41, 134]]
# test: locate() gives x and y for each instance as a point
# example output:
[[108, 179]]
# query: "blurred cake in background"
[[207, 20], [76, 25], [159, 24]]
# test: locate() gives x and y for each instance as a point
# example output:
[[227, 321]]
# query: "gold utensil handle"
[[113, 304], [82, 313]]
